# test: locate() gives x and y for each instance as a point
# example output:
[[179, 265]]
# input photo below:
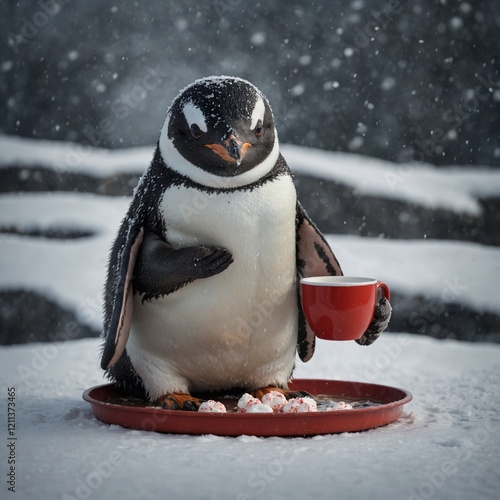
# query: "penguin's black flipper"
[[119, 294], [314, 258], [150, 267], [160, 269]]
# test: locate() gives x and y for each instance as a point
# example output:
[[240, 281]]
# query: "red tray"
[[390, 406]]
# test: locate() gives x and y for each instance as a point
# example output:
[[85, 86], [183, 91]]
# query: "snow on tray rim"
[[451, 188]]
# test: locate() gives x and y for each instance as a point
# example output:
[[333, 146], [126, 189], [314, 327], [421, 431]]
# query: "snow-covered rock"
[[55, 246]]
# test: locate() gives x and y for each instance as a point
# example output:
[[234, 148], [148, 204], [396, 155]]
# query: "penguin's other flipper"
[[314, 255], [176, 401], [162, 269], [117, 322], [314, 258], [379, 323]]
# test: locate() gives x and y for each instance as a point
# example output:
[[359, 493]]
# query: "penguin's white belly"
[[235, 329]]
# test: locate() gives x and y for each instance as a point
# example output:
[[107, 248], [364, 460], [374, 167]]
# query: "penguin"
[[202, 290]]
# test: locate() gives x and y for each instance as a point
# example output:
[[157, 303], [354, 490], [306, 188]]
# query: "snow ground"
[[445, 445]]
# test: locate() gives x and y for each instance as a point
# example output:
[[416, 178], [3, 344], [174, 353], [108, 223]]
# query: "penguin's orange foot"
[[175, 401], [258, 393]]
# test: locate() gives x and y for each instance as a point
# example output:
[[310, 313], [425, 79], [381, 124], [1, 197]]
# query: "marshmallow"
[[291, 406], [311, 403], [276, 400], [341, 405], [246, 401], [300, 405], [212, 406], [259, 408]]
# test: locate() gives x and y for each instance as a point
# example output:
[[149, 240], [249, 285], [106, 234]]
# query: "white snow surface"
[[444, 446]]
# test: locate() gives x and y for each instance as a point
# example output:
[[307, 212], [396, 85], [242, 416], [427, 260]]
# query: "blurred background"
[[386, 78], [414, 83]]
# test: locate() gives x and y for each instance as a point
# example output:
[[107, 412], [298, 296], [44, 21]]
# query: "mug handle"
[[384, 289]]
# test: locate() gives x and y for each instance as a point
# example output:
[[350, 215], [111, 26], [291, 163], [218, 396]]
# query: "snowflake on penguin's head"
[[239, 95]]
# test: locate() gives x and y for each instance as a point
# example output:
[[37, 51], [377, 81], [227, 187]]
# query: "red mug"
[[340, 307]]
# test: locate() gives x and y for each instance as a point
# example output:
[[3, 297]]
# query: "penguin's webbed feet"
[[258, 393], [176, 401]]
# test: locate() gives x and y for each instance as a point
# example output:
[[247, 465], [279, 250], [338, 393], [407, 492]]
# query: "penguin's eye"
[[196, 132], [259, 129]]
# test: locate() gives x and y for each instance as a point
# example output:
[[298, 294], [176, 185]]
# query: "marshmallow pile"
[[272, 402], [275, 402], [341, 405], [249, 404]]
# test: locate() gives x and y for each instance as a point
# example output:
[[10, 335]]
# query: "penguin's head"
[[219, 132]]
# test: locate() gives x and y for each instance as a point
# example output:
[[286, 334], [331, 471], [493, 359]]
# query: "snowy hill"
[[55, 244]]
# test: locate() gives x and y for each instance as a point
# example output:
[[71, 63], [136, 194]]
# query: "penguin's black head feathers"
[[222, 125]]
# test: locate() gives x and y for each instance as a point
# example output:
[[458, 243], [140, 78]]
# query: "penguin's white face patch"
[[258, 113], [194, 115]]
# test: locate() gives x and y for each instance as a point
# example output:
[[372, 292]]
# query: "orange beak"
[[233, 150]]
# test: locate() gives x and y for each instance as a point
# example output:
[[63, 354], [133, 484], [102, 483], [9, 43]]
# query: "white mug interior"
[[338, 281]]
